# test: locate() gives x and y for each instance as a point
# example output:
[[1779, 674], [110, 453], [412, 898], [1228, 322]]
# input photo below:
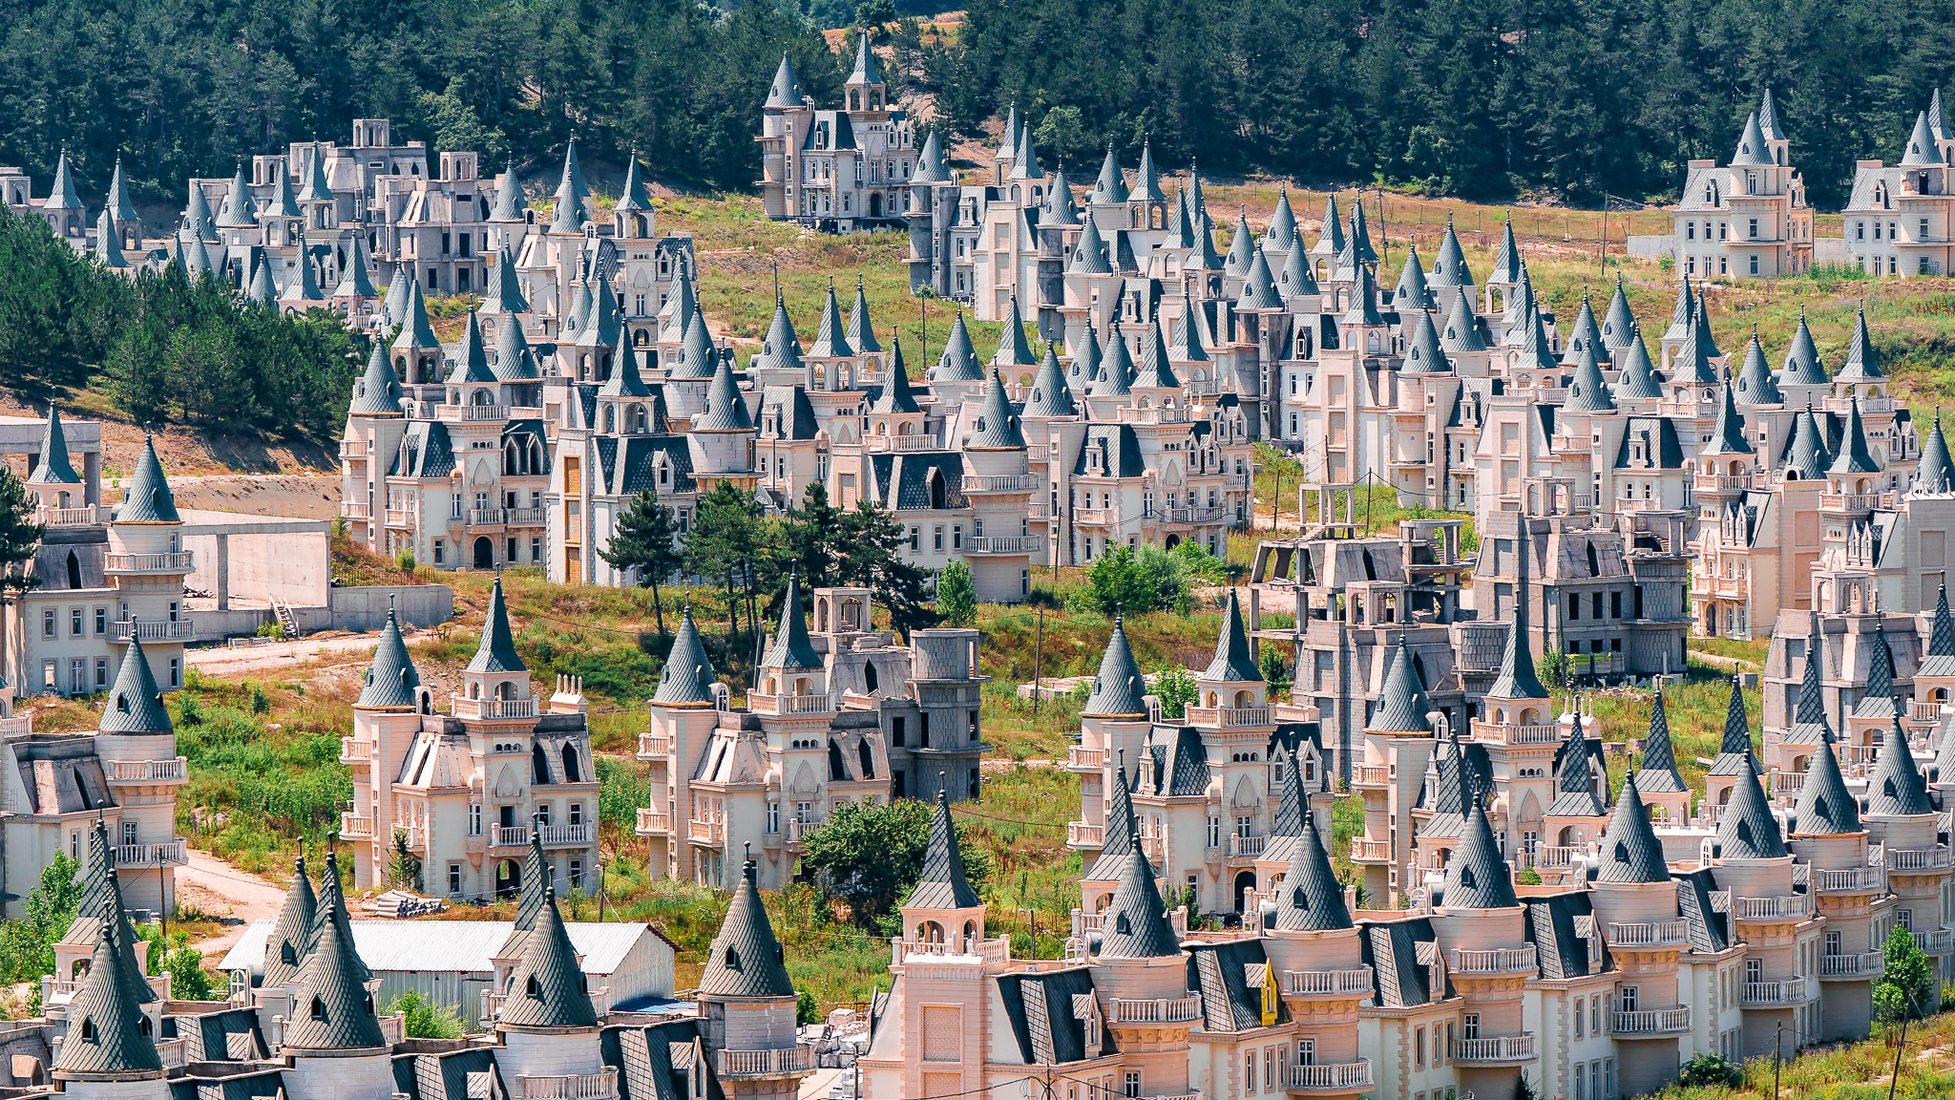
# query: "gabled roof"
[[1896, 786], [997, 425], [1751, 151], [1119, 690], [1402, 703], [332, 1009], [1136, 924], [497, 650], [942, 883], [108, 1034], [1854, 457], [1746, 828], [1659, 770], [1824, 807], [548, 989], [1232, 661], [55, 468], [135, 703], [1046, 1012], [1180, 766], [1477, 877], [391, 681], [791, 647], [1630, 850], [1802, 366], [745, 959]]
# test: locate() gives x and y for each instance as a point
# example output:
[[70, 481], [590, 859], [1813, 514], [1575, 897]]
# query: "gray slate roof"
[[1136, 918], [1119, 689], [135, 702], [1630, 850], [497, 650], [391, 681], [108, 1034], [1659, 771], [1477, 877], [1897, 786], [686, 678], [791, 647], [148, 498], [1746, 828], [285, 946], [548, 988], [1310, 898], [745, 959], [942, 884], [332, 1009], [1402, 704], [55, 468], [1232, 661], [1824, 806]]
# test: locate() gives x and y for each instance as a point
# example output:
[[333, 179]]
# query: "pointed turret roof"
[[1584, 334], [1935, 119], [135, 702], [1751, 151], [942, 884], [1296, 278], [1292, 804], [1462, 331], [1118, 839], [505, 289], [1507, 267], [1259, 289], [997, 426], [1659, 771], [1147, 180], [1588, 392], [1517, 679], [1412, 293], [303, 286], [1862, 362], [1810, 708], [108, 1034], [1363, 310], [862, 330], [514, 362], [1059, 209], [1734, 751], [497, 650], [1090, 253], [1242, 247], [1896, 786], [1360, 236], [1111, 186], [472, 359], [698, 358], [1575, 777], [55, 468], [1025, 158], [745, 959], [196, 216], [238, 211], [108, 243], [391, 681], [959, 361], [261, 289], [1330, 235], [1805, 454], [1050, 395], [61, 193], [1310, 898], [1878, 696], [1119, 690], [1630, 850], [1449, 263], [332, 1009], [568, 217], [1918, 148], [785, 91], [1013, 349], [831, 340], [1135, 923], [1936, 472], [1423, 353], [1232, 661], [791, 647], [1477, 877], [1754, 384], [1681, 312], [509, 196], [148, 499], [1802, 365], [393, 304], [1824, 807], [895, 397], [686, 679], [1116, 368], [1692, 366], [627, 379], [1746, 828], [1768, 118], [282, 204], [415, 331], [1854, 457], [356, 280], [1155, 373], [1402, 704], [726, 410], [1282, 234], [1637, 380], [193, 258], [931, 164], [1728, 433], [1618, 323], [117, 201], [291, 933], [548, 989]]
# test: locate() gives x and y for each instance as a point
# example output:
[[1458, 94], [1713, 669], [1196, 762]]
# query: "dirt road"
[[286, 655], [235, 897]]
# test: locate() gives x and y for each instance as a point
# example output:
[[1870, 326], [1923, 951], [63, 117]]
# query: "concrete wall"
[[259, 559], [365, 607], [1652, 246]]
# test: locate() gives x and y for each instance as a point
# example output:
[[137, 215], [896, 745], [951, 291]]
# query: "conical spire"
[[1681, 312], [1310, 898], [1935, 119], [135, 704], [1811, 706], [1693, 365], [1232, 662], [505, 289], [1090, 254], [626, 379], [568, 216], [1363, 310], [1802, 365], [785, 91], [698, 358], [1330, 235], [1462, 330], [1659, 771], [1517, 679], [1119, 690], [1296, 278], [393, 304], [61, 193], [291, 933], [108, 244], [726, 410], [1805, 455], [1862, 362], [1824, 807], [1587, 391], [942, 884], [1751, 151], [1402, 703], [931, 165], [1292, 804], [1584, 335], [1423, 353], [1013, 350], [1768, 118], [514, 362], [509, 196], [1854, 457], [1412, 293], [1507, 269], [1059, 209], [1746, 828], [303, 286], [1728, 434], [472, 359], [1118, 839], [193, 258], [1242, 247], [997, 426], [1630, 850], [548, 989], [1136, 924], [315, 188], [687, 677], [333, 1010], [392, 681], [1050, 396], [260, 289], [497, 650], [1147, 181], [1936, 471], [1282, 235], [1879, 691], [1110, 189], [282, 204], [108, 1034], [791, 647], [831, 341], [1941, 634], [1477, 877], [356, 280], [1116, 368], [1618, 324], [1259, 288], [895, 397], [1755, 385], [1025, 160], [1919, 148], [959, 361], [1575, 776], [117, 201], [1897, 787], [1360, 236], [415, 332], [1155, 372], [197, 223], [1735, 749], [55, 468], [745, 959], [862, 330], [1449, 263], [1637, 380], [238, 211]]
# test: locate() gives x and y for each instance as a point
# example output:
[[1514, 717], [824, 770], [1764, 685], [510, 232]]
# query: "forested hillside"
[[182, 87], [1469, 97]]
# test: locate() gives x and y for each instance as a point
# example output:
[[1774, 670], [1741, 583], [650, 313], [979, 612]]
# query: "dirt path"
[[305, 496], [235, 898], [287, 655]]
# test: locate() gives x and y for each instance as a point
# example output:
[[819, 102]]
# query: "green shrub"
[[425, 1019]]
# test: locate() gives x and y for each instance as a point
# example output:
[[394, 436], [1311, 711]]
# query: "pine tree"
[[872, 552], [726, 543], [646, 539]]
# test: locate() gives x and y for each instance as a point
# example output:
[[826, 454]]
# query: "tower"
[[147, 562], [747, 1004]]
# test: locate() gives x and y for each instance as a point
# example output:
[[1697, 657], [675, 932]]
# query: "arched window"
[[572, 773], [74, 570], [539, 765], [867, 758]]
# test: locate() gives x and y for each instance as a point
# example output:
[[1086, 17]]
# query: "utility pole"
[[1778, 1055], [1038, 658], [1900, 1044]]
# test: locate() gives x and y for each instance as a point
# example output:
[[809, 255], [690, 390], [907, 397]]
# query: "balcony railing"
[[493, 709], [1935, 941], [1160, 1010], [654, 823], [1503, 1048], [1668, 933], [526, 517], [16, 725], [1370, 851], [486, 517], [1772, 994], [1081, 758], [354, 826], [790, 704], [1906, 860], [1246, 847], [602, 1085], [1853, 880], [998, 483], [1863, 964], [1326, 983], [85, 516], [1229, 717], [169, 853], [1533, 733], [901, 444], [508, 836], [485, 412], [1331, 1077], [353, 448], [1084, 834], [706, 832], [1557, 857], [783, 1062], [1652, 1021], [156, 630], [1194, 515], [1494, 960], [994, 951], [178, 561], [400, 517], [1853, 502], [355, 750], [567, 836], [657, 745], [1784, 907], [1371, 775], [799, 830], [174, 770], [1004, 544], [1086, 924]]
